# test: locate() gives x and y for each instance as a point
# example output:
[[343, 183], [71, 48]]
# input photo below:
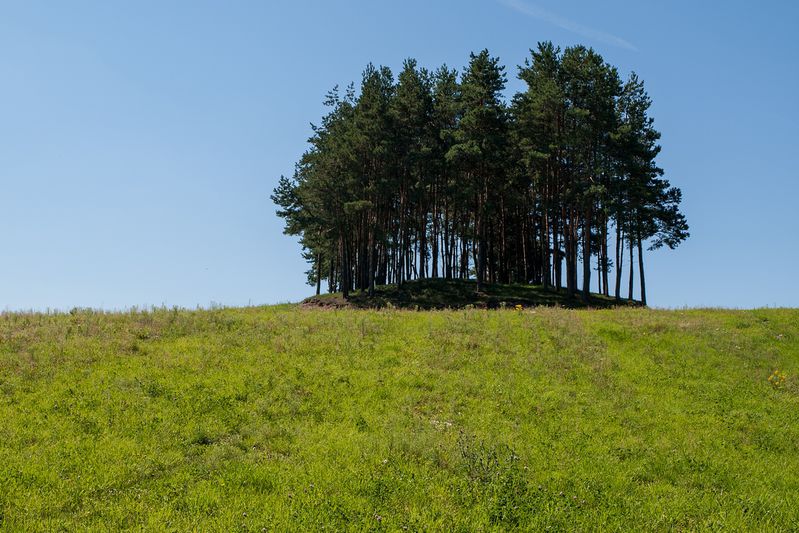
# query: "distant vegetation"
[[435, 175], [283, 418]]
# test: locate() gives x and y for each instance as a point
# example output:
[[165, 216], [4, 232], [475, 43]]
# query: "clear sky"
[[140, 141]]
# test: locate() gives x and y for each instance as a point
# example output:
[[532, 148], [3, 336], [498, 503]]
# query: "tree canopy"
[[435, 174]]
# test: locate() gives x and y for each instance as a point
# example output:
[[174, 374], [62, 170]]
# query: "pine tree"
[[480, 144], [433, 175]]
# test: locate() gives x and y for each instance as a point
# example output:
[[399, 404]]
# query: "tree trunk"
[[619, 256], [587, 256], [345, 269], [630, 293], [575, 245], [567, 246], [641, 268], [318, 274], [436, 227], [604, 264], [371, 262], [545, 249], [481, 250], [556, 255]]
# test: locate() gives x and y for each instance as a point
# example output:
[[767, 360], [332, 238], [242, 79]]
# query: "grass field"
[[288, 418]]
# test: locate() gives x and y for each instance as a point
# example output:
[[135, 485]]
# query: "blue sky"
[[140, 141]]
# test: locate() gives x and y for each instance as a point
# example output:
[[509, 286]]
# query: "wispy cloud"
[[569, 25]]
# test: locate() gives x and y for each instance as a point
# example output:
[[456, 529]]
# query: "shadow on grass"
[[458, 294]]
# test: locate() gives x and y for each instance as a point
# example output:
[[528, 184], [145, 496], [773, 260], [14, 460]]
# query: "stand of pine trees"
[[435, 175]]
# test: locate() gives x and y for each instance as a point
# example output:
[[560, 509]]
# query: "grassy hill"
[[289, 418], [426, 294]]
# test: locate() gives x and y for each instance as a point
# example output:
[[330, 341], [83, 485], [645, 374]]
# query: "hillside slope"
[[287, 418]]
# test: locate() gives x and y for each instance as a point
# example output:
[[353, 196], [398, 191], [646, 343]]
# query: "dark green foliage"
[[435, 176]]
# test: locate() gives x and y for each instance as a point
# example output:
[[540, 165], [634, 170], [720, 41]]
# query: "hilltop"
[[289, 418], [424, 294]]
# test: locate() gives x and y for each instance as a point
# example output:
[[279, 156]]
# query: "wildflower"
[[777, 379], [519, 307]]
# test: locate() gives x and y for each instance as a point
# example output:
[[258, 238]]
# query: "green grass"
[[429, 294], [288, 418]]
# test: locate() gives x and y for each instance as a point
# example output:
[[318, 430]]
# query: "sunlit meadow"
[[285, 418]]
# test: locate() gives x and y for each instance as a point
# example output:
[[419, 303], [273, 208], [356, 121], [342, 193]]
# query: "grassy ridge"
[[289, 418]]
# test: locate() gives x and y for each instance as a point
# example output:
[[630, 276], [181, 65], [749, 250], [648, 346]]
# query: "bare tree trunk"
[[447, 251], [436, 226], [371, 258], [318, 274], [630, 294], [567, 245], [575, 246], [345, 268], [619, 257], [605, 266], [587, 256], [556, 255], [481, 248], [401, 242], [423, 244], [641, 268], [545, 249], [331, 280]]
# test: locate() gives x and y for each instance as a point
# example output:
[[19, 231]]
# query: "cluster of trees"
[[436, 175]]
